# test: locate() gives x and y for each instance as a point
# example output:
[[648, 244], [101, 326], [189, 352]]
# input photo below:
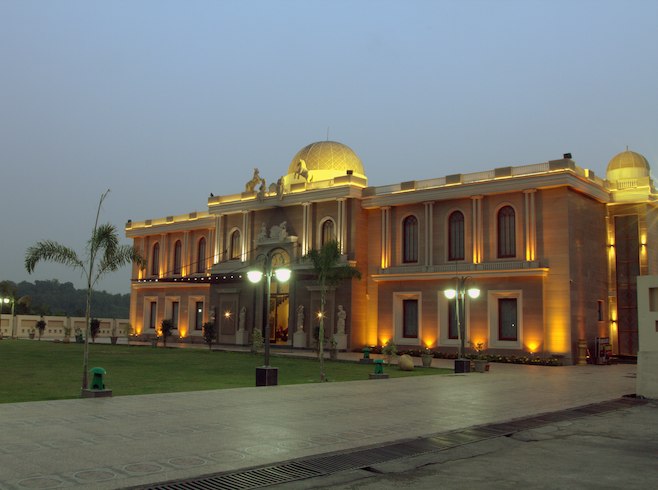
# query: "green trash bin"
[[97, 382], [379, 366]]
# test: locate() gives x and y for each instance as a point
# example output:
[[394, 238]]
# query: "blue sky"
[[164, 102]]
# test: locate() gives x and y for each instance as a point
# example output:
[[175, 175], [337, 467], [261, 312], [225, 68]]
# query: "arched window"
[[235, 251], [201, 255], [456, 236], [155, 260], [178, 251], [506, 233], [410, 239], [327, 232]]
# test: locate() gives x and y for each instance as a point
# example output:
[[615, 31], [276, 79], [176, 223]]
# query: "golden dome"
[[328, 156], [627, 165]]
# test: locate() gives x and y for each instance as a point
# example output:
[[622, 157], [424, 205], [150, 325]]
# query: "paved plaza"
[[128, 441]]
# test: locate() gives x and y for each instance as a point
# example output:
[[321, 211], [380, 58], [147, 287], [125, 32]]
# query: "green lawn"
[[33, 370]]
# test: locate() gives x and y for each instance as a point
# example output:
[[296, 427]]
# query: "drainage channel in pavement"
[[323, 465]]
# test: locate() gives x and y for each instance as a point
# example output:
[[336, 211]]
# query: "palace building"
[[554, 249]]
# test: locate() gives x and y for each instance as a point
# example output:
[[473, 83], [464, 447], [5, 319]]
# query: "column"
[[306, 228], [385, 245], [476, 231], [340, 232], [530, 224], [164, 255], [186, 256], [245, 235], [429, 232]]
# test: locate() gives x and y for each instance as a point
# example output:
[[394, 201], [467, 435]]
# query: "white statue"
[[279, 232], [340, 323], [300, 318]]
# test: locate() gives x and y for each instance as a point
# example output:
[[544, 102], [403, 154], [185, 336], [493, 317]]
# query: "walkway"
[[125, 441]]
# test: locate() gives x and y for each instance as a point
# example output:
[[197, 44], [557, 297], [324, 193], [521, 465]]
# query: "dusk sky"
[[164, 102]]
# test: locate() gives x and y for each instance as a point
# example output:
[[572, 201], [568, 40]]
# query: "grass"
[[33, 370]]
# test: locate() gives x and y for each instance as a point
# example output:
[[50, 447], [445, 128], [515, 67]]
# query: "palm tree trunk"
[[321, 335]]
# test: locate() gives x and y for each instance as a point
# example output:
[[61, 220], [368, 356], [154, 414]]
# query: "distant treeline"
[[55, 298]]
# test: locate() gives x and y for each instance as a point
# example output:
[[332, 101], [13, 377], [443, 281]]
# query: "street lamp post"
[[459, 294], [267, 375]]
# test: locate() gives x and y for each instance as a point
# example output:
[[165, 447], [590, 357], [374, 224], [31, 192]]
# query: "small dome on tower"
[[627, 165]]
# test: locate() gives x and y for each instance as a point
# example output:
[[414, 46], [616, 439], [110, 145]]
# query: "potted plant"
[[257, 341], [209, 333], [41, 327], [390, 350], [94, 328], [480, 362], [333, 348], [113, 336], [427, 357], [166, 327], [67, 335]]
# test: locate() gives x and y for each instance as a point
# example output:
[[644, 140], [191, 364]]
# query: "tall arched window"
[[236, 245], [410, 239], [506, 233], [178, 252], [327, 232], [456, 236], [201, 255], [155, 260]]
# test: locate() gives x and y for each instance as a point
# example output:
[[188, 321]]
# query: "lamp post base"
[[462, 365], [267, 376]]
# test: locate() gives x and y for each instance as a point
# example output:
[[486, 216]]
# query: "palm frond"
[[120, 255], [51, 251]]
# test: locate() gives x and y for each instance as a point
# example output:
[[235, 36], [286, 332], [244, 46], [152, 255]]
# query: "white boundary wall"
[[20, 326]]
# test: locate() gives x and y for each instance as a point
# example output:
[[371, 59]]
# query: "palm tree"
[[330, 272], [104, 254]]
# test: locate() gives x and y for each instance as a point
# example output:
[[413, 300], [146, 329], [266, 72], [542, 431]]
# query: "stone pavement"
[[134, 440]]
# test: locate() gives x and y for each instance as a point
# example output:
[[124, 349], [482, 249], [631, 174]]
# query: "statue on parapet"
[[250, 186], [301, 170]]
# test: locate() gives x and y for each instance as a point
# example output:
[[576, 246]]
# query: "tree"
[[166, 326], [330, 272], [103, 255], [209, 333]]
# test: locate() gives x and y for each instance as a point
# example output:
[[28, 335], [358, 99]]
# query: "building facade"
[[554, 250]]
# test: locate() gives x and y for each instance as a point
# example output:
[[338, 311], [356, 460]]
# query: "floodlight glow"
[[282, 274], [474, 293], [450, 293], [254, 276]]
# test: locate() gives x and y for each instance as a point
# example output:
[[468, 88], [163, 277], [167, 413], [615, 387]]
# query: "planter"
[[333, 354], [481, 365], [79, 339], [113, 340], [66, 340], [427, 361], [32, 336]]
